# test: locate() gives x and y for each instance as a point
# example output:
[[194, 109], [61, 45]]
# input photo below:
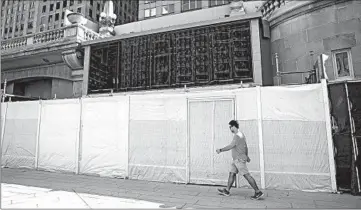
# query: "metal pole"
[[278, 70], [4, 92], [312, 67]]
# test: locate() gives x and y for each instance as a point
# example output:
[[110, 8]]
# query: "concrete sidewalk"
[[23, 188]]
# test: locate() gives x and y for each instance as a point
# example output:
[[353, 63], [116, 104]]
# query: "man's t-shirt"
[[239, 150]]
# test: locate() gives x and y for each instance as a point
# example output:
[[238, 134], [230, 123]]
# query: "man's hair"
[[234, 123]]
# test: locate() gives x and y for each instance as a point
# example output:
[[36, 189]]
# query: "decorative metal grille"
[[219, 53]]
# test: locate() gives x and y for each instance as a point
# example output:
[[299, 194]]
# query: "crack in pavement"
[[82, 199]]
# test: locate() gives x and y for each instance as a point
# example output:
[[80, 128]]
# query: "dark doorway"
[[354, 96], [341, 133], [345, 100]]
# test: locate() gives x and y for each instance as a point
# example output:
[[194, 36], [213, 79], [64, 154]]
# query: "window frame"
[[150, 12], [57, 17], [184, 2], [225, 2], [350, 64], [168, 13]]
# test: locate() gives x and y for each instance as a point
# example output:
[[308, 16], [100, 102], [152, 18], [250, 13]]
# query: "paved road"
[[22, 188]]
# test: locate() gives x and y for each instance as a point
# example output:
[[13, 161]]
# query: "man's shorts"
[[239, 166]]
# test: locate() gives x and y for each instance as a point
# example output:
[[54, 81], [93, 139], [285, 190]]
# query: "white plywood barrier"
[[59, 135], [295, 138], [104, 144], [157, 138], [19, 138], [172, 137], [246, 101], [300, 103]]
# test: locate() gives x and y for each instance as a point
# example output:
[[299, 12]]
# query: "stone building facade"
[[158, 8], [297, 31], [302, 28], [46, 61]]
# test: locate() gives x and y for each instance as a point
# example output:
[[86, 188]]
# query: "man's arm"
[[228, 147]]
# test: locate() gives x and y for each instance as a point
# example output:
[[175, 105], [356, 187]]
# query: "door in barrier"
[[208, 131]]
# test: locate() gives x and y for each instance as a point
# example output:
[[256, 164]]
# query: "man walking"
[[240, 158]]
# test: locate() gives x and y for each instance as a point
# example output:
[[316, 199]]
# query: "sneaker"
[[224, 192], [257, 195]]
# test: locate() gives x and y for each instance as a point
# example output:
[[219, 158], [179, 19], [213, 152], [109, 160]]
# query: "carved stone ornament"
[[74, 59], [77, 18], [107, 20], [237, 8]]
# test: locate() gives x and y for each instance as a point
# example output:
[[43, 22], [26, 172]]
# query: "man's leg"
[[231, 178], [252, 182], [243, 170], [225, 191]]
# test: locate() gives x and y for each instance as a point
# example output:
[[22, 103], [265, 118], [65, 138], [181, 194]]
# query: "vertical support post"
[[260, 137], [278, 73], [235, 110], [4, 91], [331, 154], [3, 124], [213, 133], [86, 71], [311, 54], [40, 109], [352, 125], [187, 145], [79, 140], [128, 141]]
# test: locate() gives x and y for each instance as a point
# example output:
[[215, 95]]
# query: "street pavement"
[[23, 188]]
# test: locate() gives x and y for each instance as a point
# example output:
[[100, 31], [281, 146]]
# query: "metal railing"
[[308, 76]]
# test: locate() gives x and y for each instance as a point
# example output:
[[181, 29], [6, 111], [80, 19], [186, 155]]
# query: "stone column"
[[86, 70]]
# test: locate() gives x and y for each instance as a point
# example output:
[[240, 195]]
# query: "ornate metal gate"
[[213, 54]]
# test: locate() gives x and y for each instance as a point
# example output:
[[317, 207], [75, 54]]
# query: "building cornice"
[[298, 8], [174, 28]]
